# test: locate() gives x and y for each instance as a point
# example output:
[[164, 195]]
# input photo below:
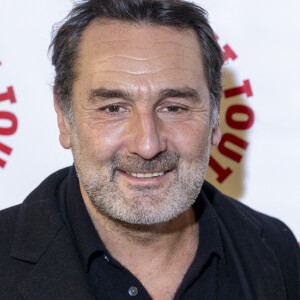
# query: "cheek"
[[101, 142], [190, 141]]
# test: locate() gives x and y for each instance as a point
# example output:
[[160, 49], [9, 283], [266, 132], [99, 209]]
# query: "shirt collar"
[[210, 240]]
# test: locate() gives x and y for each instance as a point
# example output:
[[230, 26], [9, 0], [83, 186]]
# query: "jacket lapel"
[[42, 239], [58, 274]]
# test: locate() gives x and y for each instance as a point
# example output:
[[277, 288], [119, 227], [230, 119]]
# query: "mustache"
[[164, 161]]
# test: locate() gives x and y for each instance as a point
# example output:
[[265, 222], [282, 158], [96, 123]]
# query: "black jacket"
[[38, 260]]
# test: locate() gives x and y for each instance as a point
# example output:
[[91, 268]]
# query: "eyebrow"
[[104, 93], [185, 92]]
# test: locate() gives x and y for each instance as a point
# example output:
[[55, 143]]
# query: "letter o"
[[4, 115], [240, 109]]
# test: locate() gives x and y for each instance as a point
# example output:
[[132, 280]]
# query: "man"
[[137, 91]]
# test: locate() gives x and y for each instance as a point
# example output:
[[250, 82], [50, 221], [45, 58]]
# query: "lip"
[[144, 180]]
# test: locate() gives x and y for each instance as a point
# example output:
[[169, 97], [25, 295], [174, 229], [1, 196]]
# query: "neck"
[[159, 255]]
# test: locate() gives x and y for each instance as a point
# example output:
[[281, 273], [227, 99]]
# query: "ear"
[[216, 134], [63, 125]]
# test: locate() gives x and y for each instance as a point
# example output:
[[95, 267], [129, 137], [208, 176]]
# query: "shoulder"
[[247, 226], [33, 202], [226, 205], [33, 235], [229, 208]]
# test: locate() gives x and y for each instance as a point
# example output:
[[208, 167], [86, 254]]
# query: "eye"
[[113, 108], [173, 108]]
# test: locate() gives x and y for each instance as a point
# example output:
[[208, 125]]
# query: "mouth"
[[145, 175]]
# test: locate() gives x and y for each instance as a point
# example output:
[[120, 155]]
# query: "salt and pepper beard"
[[143, 206]]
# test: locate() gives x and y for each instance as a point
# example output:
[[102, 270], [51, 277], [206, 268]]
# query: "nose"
[[146, 135]]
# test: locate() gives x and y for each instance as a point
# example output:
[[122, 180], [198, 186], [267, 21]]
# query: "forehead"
[[110, 31], [113, 52]]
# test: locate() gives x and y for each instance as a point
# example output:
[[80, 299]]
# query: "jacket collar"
[[39, 221], [257, 264], [41, 238]]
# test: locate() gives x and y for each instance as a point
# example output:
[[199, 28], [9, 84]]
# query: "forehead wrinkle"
[[142, 72], [138, 66], [151, 55], [147, 45], [142, 53], [115, 59]]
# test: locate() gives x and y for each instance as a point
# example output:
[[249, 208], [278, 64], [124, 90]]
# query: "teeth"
[[146, 175]]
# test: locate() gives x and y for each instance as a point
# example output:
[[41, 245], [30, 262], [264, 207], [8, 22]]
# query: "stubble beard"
[[140, 205]]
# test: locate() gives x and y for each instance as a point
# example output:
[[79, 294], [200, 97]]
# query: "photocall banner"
[[257, 161]]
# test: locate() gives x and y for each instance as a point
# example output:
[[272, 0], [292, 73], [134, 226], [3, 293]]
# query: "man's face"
[[141, 135]]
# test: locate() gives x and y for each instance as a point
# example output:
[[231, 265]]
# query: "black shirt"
[[210, 276]]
